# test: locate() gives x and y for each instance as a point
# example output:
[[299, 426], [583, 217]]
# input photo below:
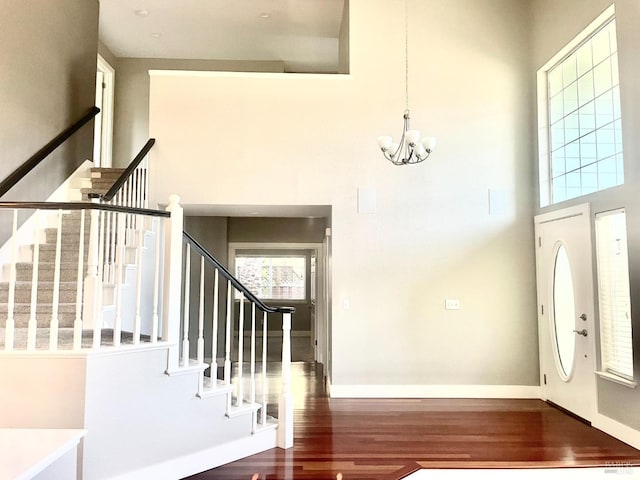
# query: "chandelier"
[[411, 148]]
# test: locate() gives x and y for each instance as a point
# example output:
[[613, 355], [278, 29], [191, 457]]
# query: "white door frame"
[[321, 350], [103, 131], [542, 286]]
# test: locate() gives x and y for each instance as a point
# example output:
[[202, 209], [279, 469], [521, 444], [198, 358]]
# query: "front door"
[[564, 270]]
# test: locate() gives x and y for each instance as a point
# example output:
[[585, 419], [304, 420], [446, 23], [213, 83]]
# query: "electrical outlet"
[[452, 304]]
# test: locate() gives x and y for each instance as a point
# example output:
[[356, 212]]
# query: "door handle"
[[583, 317], [582, 332]]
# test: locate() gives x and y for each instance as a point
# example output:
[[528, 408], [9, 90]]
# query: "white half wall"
[[282, 139]]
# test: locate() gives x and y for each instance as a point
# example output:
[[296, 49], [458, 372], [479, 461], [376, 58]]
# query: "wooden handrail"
[[107, 197], [20, 172], [234, 281], [83, 206]]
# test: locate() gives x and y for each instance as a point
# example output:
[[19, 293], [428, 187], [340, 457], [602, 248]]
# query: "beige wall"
[[48, 51], [131, 128], [555, 23], [108, 55], [311, 140], [276, 230], [343, 40]]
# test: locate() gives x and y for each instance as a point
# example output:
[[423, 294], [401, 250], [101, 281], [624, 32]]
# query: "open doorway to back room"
[[283, 258], [282, 275]]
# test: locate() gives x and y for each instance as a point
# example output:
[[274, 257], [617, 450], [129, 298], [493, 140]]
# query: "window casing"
[[584, 144]]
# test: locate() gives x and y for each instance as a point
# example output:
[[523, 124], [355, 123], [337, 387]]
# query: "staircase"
[[102, 179], [109, 344], [68, 272]]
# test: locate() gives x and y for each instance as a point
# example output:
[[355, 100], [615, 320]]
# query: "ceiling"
[[301, 33]]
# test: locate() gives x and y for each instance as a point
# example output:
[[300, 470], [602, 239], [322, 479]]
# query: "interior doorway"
[[103, 124], [288, 274], [564, 269]]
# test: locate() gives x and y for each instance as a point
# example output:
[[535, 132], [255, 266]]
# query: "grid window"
[[273, 277], [584, 118]]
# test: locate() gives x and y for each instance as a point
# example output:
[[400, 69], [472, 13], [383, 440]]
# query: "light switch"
[[452, 304]]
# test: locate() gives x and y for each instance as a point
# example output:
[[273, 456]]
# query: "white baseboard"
[[205, 459], [618, 430], [434, 391]]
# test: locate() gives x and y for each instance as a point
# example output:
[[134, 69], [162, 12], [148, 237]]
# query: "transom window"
[[584, 118]]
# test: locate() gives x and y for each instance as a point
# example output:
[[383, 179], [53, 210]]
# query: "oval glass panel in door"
[[564, 313]]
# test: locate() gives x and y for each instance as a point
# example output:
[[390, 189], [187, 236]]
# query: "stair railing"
[[48, 281], [130, 190], [132, 187], [223, 288], [31, 163]]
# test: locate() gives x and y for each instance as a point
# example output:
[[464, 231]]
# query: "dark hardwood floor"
[[387, 439]]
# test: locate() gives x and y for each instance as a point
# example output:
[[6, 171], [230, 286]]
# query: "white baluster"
[[200, 345], [240, 399], [173, 241], [92, 283], [285, 405], [53, 328], [185, 321], [102, 245], [33, 319], [112, 246], [77, 324], [11, 323], [120, 259], [145, 197], [139, 203], [265, 383], [227, 344], [129, 193], [106, 254], [214, 333], [137, 321], [252, 376], [156, 283]]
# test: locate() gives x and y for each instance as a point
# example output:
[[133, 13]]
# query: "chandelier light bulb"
[[412, 137], [385, 142], [429, 143]]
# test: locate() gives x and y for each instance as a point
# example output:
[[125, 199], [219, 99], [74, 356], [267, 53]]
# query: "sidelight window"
[[613, 295]]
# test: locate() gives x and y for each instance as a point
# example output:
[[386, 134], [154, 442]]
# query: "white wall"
[[311, 140]]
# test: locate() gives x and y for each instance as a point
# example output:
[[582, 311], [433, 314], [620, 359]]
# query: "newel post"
[[172, 281], [92, 298], [285, 404]]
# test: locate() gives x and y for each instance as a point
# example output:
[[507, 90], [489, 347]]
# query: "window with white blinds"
[[613, 294]]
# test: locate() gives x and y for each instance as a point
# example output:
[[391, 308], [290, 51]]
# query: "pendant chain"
[[406, 54]]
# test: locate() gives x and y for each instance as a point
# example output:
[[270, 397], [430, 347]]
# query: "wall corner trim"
[[435, 391], [616, 429]]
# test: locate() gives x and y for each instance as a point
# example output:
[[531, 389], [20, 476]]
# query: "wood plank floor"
[[387, 439]]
